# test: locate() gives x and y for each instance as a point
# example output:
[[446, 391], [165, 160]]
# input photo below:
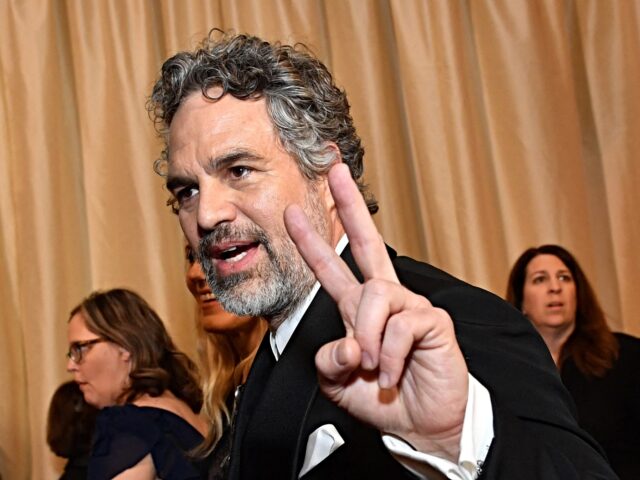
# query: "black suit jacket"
[[536, 435]]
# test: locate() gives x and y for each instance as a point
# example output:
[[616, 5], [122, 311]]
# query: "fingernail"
[[339, 356], [367, 361], [383, 380]]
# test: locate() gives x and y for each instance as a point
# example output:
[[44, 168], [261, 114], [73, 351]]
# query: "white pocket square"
[[322, 442]]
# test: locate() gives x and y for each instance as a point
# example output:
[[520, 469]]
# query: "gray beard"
[[274, 289]]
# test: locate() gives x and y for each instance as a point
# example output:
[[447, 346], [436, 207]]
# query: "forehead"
[[203, 128], [77, 326], [545, 262]]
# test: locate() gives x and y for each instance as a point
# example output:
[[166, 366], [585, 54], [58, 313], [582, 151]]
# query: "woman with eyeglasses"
[[600, 368], [227, 345], [148, 391]]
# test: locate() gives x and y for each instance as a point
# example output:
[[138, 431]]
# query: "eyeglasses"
[[78, 349]]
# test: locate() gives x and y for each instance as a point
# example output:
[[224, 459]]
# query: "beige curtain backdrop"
[[490, 126]]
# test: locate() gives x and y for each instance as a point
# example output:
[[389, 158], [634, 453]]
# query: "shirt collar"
[[282, 335]]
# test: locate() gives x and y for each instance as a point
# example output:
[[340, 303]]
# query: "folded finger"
[[381, 300], [425, 329], [335, 362]]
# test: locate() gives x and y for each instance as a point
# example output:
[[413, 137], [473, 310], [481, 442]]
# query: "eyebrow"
[[546, 271], [213, 164], [175, 181], [222, 161]]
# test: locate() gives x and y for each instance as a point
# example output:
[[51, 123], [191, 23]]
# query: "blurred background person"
[[227, 345], [148, 391], [70, 425], [601, 369]]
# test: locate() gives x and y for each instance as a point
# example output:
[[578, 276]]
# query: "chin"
[[223, 322], [93, 402]]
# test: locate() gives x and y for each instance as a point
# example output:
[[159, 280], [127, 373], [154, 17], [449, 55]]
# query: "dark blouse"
[[125, 434], [75, 469], [609, 407]]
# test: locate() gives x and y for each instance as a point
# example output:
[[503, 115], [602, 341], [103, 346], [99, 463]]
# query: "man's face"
[[233, 180]]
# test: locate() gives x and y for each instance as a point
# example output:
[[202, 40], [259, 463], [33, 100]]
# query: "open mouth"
[[234, 253], [555, 304]]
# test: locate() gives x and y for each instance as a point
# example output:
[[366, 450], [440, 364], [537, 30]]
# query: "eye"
[[565, 277], [239, 171], [184, 196], [538, 279]]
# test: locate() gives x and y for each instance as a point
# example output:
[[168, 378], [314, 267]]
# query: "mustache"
[[229, 233]]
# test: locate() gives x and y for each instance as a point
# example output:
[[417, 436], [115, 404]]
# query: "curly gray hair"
[[306, 107]]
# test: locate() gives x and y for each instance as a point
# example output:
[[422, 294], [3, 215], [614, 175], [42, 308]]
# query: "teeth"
[[207, 296], [235, 259]]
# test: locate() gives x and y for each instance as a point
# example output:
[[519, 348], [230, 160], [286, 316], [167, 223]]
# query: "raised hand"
[[399, 368]]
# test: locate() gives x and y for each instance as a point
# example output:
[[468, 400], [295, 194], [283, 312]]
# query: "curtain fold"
[[488, 127]]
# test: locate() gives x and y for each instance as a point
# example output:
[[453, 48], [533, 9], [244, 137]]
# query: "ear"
[[125, 354], [330, 149]]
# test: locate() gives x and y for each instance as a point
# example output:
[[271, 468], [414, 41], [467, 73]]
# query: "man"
[[376, 366]]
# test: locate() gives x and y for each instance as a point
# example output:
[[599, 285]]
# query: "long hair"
[[70, 422], [592, 346], [126, 319], [306, 108], [222, 370]]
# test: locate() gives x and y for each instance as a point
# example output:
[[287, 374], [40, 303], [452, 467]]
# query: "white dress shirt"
[[477, 429]]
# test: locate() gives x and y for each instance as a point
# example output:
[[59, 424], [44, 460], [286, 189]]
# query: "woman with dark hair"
[[127, 365], [601, 369], [70, 425]]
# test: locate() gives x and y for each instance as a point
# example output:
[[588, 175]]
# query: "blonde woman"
[[227, 345]]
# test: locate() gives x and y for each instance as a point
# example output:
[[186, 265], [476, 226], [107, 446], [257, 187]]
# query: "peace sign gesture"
[[399, 368]]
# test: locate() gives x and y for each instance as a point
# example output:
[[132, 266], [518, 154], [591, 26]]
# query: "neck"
[[244, 341], [245, 344], [555, 338]]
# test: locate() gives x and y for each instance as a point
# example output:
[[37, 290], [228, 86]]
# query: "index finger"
[[333, 274], [366, 243]]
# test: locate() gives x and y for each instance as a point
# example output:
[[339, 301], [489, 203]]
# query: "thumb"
[[335, 362]]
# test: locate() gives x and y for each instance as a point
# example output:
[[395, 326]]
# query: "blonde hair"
[[222, 369]]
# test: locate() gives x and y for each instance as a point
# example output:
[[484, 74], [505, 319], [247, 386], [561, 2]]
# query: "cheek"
[[191, 285], [189, 226], [573, 299], [95, 375], [531, 301]]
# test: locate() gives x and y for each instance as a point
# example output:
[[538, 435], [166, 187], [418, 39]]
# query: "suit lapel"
[[258, 376], [270, 431], [270, 427]]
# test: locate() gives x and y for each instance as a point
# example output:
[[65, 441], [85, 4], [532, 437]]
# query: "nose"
[[555, 285], [215, 205], [195, 274], [71, 366]]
